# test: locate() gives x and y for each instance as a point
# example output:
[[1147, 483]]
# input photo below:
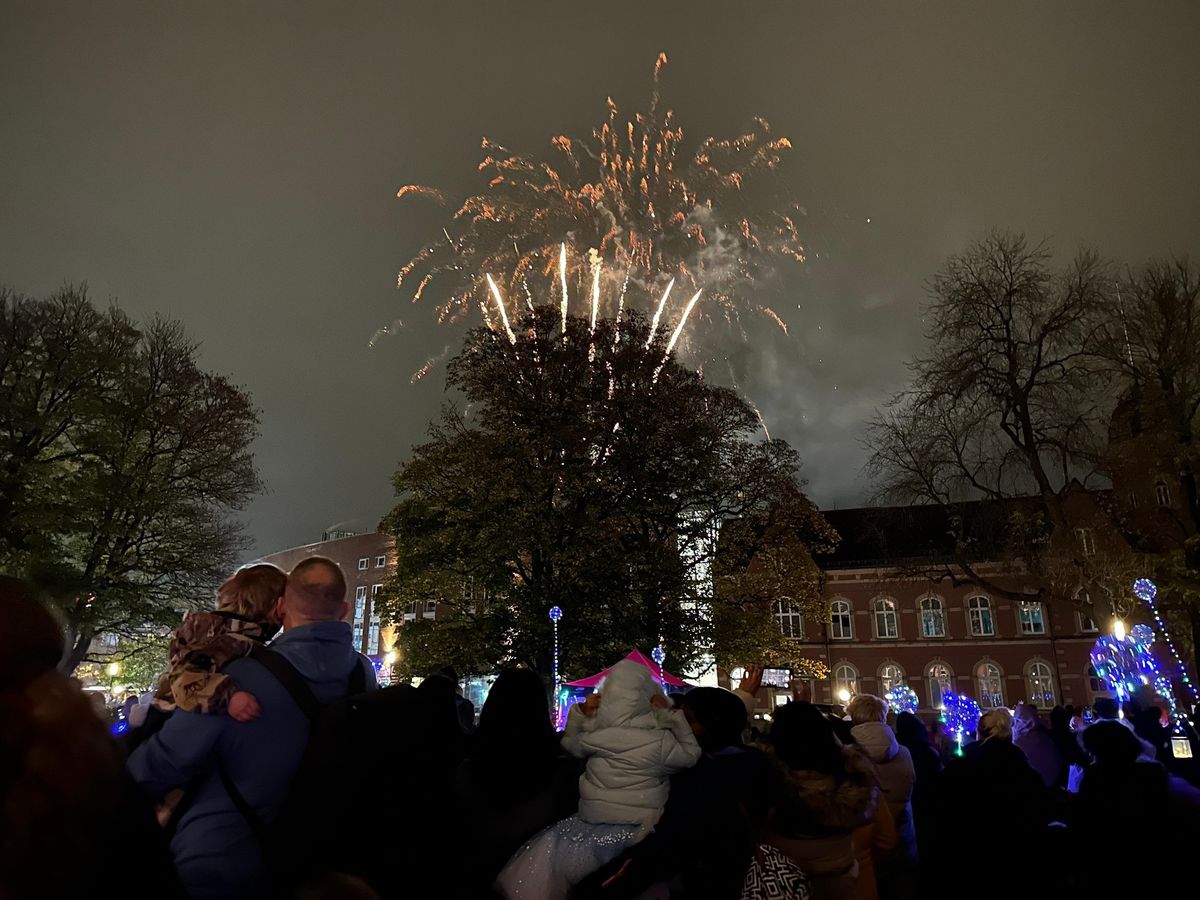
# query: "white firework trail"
[[512, 338], [562, 276], [687, 311], [658, 312]]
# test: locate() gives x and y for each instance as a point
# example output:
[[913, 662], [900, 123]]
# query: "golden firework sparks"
[[631, 192]]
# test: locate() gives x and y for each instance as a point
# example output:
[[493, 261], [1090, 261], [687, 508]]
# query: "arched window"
[[1162, 492], [841, 621], [791, 622], [890, 675], [1039, 683], [933, 617], [979, 611], [887, 624], [845, 682], [941, 681], [991, 685]]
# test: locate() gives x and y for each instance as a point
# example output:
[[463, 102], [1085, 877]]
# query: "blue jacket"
[[215, 851]]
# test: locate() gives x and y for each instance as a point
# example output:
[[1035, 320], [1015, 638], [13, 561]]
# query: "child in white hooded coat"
[[633, 744]]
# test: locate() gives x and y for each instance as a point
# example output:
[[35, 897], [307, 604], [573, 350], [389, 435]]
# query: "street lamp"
[[113, 669]]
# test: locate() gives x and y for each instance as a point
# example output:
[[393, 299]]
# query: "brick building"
[[895, 614]]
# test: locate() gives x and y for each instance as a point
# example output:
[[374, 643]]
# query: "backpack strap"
[[287, 675], [297, 687], [358, 678]]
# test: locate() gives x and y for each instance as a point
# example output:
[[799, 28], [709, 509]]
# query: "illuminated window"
[[991, 685], [1032, 620], [886, 624], [841, 621], [1039, 681], [979, 610], [791, 622], [373, 637], [845, 678], [890, 675], [941, 681], [933, 618]]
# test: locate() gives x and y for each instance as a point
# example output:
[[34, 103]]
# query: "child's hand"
[[243, 707], [659, 701], [590, 706]]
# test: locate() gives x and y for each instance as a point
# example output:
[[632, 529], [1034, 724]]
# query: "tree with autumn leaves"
[[587, 469]]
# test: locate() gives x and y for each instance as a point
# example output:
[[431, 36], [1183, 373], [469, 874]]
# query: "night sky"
[[234, 166]]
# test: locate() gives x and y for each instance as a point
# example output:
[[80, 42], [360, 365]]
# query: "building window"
[[380, 562], [1039, 681], [979, 609], [791, 622], [375, 589], [363, 563], [1032, 621], [360, 593], [941, 681], [933, 618], [373, 637], [845, 681], [360, 607], [430, 609], [991, 685], [410, 609], [1097, 686], [358, 636], [1087, 625], [890, 675], [1162, 493], [841, 621], [1087, 541], [886, 624]]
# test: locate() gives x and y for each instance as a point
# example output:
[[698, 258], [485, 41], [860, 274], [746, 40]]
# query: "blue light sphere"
[[1142, 634], [902, 698], [1145, 590], [658, 654], [555, 613]]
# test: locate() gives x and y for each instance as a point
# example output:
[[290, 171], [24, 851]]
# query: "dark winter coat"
[[993, 787], [815, 819]]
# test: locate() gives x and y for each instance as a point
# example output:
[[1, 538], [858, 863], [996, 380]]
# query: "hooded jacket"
[[632, 749], [215, 850], [894, 766], [816, 817]]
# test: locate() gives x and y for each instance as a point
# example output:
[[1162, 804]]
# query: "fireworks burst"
[[632, 195]]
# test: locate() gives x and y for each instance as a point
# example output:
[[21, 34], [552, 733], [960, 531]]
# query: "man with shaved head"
[[215, 846]]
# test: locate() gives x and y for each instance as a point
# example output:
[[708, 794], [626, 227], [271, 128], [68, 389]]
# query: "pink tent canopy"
[[642, 660]]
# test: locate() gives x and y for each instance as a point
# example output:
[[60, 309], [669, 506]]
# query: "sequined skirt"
[[561, 856]]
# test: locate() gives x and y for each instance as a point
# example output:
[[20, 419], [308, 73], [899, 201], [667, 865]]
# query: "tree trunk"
[[77, 647]]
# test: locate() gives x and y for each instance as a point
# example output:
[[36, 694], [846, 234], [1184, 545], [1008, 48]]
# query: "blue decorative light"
[[658, 654], [1145, 590], [902, 698], [120, 727], [559, 713], [961, 715], [1142, 634]]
